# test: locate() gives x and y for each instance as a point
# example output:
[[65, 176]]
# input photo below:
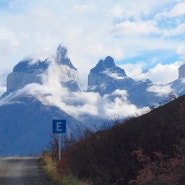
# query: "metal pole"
[[59, 146]]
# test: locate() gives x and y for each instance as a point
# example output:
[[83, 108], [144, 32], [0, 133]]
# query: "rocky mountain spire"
[[62, 58], [108, 65]]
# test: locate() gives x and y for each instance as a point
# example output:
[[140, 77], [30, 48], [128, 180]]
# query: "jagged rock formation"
[[26, 120], [30, 71], [26, 115], [25, 73], [106, 77]]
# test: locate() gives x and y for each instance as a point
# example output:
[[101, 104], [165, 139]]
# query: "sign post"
[[59, 128]]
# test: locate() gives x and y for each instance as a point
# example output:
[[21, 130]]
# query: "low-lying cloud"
[[121, 29], [76, 104], [160, 74]]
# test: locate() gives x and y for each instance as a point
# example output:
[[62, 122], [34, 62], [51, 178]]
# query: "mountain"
[[26, 126], [26, 113], [32, 71], [39, 91], [26, 73], [68, 73], [106, 77]]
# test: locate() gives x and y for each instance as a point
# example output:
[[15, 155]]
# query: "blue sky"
[[138, 34]]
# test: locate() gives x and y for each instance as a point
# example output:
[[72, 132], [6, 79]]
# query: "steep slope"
[[68, 73], [29, 105], [105, 77], [53, 85], [26, 126], [35, 71], [149, 148], [26, 73]]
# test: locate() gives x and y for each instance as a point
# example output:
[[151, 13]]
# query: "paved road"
[[21, 171]]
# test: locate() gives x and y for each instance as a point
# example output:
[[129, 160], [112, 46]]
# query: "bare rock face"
[[31, 71], [105, 77], [26, 72], [68, 73], [26, 117], [26, 120], [62, 57]]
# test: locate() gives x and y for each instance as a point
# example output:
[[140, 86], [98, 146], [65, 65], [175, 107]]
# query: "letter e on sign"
[[59, 126]]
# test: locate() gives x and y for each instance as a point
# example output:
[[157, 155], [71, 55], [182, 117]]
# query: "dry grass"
[[50, 167]]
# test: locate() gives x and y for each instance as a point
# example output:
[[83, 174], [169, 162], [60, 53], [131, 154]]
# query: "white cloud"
[[181, 52], [163, 74], [141, 27], [120, 106], [160, 90], [160, 74], [134, 71], [76, 104], [90, 30], [179, 30], [177, 10], [117, 11], [82, 9]]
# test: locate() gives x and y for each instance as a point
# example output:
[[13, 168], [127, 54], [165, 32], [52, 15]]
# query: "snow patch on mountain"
[[113, 75], [54, 82], [51, 87]]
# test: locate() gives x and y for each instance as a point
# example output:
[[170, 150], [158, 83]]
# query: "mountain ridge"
[[53, 85]]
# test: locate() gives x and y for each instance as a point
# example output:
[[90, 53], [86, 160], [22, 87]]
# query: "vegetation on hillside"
[[146, 150]]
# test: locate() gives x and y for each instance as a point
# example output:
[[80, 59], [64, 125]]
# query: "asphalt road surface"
[[22, 171]]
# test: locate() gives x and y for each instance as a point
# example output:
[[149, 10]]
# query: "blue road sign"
[[59, 126]]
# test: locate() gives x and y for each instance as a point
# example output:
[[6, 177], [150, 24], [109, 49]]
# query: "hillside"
[[41, 90], [145, 150]]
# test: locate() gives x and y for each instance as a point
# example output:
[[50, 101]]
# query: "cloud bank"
[[160, 74], [76, 104], [90, 30]]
